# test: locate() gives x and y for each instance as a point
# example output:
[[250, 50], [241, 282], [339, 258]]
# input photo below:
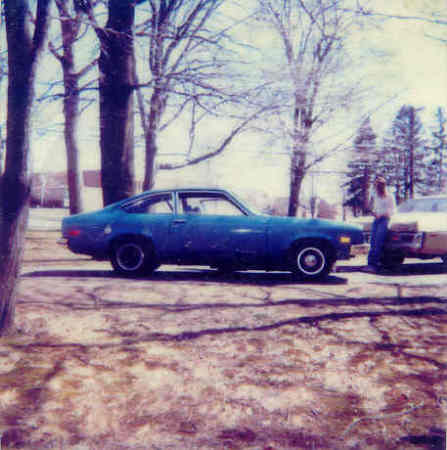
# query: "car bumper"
[[349, 251], [359, 249], [406, 242]]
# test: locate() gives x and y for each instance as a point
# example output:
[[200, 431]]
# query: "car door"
[[150, 216], [211, 229]]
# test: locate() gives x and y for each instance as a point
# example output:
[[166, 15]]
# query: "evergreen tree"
[[402, 160], [391, 165], [361, 169], [436, 170]]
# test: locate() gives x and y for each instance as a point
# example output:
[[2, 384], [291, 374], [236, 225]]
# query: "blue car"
[[207, 227]]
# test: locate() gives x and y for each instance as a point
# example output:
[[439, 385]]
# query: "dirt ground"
[[190, 359]]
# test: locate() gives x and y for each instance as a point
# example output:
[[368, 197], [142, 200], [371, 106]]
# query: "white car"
[[417, 230]]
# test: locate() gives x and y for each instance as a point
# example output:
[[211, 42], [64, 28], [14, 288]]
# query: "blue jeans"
[[379, 231]]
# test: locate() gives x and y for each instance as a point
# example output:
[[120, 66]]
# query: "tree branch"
[[54, 52], [226, 142]]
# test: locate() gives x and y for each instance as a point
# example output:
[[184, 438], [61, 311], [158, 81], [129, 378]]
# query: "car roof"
[[174, 190], [181, 189]]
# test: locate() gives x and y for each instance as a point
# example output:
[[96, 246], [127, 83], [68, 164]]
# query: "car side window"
[[157, 204], [207, 204]]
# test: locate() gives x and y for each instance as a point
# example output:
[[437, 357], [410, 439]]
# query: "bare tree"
[[312, 34], [189, 78], [434, 14], [23, 52], [72, 29]]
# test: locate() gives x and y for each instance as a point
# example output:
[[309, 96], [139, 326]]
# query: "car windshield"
[[248, 204], [424, 205]]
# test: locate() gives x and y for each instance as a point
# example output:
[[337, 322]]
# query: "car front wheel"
[[132, 257], [311, 261]]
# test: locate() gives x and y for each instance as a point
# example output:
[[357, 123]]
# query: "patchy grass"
[[194, 361]]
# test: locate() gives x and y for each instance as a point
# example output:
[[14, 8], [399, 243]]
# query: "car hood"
[[364, 222], [325, 223], [417, 221]]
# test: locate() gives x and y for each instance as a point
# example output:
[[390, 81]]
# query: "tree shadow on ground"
[[436, 440], [407, 269], [56, 261], [193, 274], [438, 313]]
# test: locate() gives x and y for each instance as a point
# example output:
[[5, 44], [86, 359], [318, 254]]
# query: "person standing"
[[383, 207]]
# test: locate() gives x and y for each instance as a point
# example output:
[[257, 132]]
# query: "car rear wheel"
[[392, 260], [311, 261], [133, 257]]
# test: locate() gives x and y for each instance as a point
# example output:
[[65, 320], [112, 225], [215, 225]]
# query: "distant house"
[[49, 190], [91, 178]]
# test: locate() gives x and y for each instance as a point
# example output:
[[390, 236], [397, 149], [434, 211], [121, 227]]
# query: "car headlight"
[[345, 239]]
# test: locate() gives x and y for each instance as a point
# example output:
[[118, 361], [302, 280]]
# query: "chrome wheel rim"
[[310, 261]]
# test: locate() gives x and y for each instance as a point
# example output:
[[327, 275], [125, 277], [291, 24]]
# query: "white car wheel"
[[311, 262]]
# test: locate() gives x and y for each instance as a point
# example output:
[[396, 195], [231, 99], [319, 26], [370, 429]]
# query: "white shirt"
[[383, 206]]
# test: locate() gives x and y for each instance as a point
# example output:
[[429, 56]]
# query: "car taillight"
[[74, 232]]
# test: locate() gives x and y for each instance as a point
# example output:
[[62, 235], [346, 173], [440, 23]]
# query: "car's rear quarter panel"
[[95, 232], [153, 227]]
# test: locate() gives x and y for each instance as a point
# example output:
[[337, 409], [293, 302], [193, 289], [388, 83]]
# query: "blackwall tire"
[[132, 257], [392, 260]]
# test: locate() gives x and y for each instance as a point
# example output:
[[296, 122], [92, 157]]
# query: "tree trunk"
[[365, 191], [302, 128], [2, 149], [155, 114], [15, 181], [151, 152], [116, 102], [71, 102], [296, 181], [71, 109]]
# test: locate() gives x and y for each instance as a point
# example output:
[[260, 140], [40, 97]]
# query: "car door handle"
[[180, 221]]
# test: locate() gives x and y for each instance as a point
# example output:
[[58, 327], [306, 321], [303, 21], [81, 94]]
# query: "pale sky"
[[415, 72]]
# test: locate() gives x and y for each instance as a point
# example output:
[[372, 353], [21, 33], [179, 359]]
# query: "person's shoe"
[[369, 269]]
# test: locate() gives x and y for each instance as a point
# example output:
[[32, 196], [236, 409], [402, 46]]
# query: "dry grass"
[[191, 361]]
